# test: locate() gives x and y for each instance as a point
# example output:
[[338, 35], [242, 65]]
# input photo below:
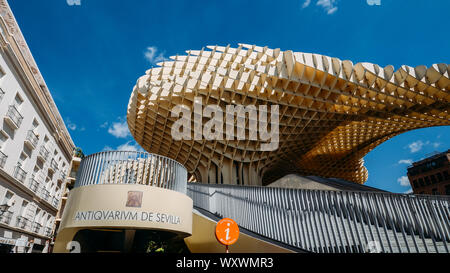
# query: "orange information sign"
[[227, 231]]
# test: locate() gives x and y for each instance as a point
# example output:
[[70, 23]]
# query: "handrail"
[[128, 167], [14, 115], [3, 158], [32, 137], [19, 173], [333, 221]]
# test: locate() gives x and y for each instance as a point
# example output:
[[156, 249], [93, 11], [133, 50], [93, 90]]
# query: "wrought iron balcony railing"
[[48, 231], [14, 117], [118, 167], [55, 201], [45, 194], [3, 158], [36, 228], [20, 174], [33, 184], [54, 165], [23, 222], [43, 153], [5, 217], [32, 139]]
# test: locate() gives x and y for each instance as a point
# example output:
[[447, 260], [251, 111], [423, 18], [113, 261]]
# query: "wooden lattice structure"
[[331, 112]]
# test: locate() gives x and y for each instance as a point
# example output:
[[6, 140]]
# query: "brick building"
[[431, 175]]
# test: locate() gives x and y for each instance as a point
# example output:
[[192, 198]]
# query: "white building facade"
[[35, 146]]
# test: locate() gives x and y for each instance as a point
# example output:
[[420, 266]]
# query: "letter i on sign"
[[227, 232]]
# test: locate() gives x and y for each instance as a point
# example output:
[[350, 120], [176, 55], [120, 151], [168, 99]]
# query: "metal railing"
[[43, 153], [32, 138], [14, 115], [2, 93], [20, 174], [33, 184], [54, 165], [36, 228], [118, 167], [3, 158], [45, 194], [5, 217], [48, 231], [23, 222], [331, 221], [55, 202]]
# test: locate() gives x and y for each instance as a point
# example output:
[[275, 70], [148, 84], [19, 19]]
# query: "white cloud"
[[415, 146], [153, 56], [408, 191], [127, 146], [436, 144], [306, 3], [119, 129], [328, 5], [405, 161], [73, 127], [130, 147], [104, 124], [403, 181], [419, 144], [107, 148]]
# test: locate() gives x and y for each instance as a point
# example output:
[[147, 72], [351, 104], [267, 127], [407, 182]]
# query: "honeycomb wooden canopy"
[[331, 112]]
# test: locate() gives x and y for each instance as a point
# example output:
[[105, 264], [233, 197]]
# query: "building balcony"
[[5, 217], [63, 176], [55, 202], [20, 174], [45, 194], [33, 184], [13, 117], [31, 140], [43, 154], [36, 228], [53, 165], [48, 231], [3, 158], [23, 222]]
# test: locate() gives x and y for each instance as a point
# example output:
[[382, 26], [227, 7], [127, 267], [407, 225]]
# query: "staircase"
[[333, 221]]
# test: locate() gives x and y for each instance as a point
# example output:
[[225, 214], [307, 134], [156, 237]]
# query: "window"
[[23, 208], [427, 180], [36, 215], [447, 189], [433, 179], [22, 159], [35, 124], [415, 183], [2, 72], [439, 176], [446, 175], [8, 200], [3, 139], [421, 182], [18, 101], [434, 191]]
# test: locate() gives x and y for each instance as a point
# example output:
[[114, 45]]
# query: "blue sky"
[[92, 54]]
